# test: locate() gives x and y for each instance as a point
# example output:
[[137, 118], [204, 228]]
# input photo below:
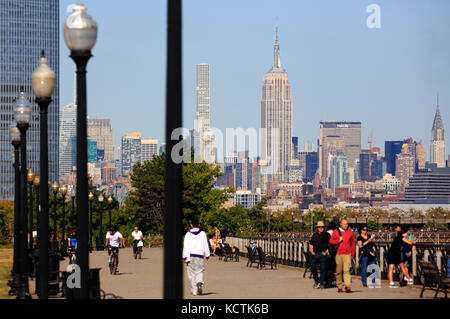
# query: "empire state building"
[[276, 113]]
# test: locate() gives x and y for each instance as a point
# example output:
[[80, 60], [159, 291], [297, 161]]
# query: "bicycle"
[[72, 255], [114, 260]]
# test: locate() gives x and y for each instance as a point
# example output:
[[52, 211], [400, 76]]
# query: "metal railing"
[[294, 252], [441, 237]]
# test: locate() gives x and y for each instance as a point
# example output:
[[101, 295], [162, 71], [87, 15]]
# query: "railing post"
[[439, 259], [414, 262]]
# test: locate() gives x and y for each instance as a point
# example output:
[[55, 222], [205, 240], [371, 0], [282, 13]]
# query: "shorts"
[[394, 259], [114, 249]]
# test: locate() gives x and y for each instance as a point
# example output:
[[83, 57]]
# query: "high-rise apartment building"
[[203, 97], [100, 131], [110, 173], [391, 149], [338, 171], [437, 145], [329, 145], [421, 156], [276, 113], [206, 137], [26, 28], [149, 148], [405, 165], [131, 151], [350, 132], [68, 125]]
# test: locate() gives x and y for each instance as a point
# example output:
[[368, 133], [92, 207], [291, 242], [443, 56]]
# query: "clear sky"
[[339, 69]]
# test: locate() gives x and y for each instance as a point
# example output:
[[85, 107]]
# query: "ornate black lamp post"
[[80, 35], [37, 183], [91, 198], [22, 115], [63, 191], [73, 208], [30, 180], [55, 189], [15, 141], [110, 201], [43, 80], [100, 243]]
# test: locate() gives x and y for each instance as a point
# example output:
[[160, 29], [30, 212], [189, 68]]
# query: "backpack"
[[332, 249]]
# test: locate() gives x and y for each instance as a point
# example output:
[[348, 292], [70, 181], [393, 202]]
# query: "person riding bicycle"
[[113, 239], [138, 242], [72, 243]]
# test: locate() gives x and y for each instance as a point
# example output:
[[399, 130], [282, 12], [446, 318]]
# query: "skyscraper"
[[391, 149], [351, 134], [338, 171], [206, 137], [329, 145], [276, 113], [149, 147], [68, 131], [26, 28], [100, 130], [437, 146], [203, 97], [131, 151], [405, 165]]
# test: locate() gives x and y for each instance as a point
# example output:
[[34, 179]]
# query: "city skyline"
[[330, 79]]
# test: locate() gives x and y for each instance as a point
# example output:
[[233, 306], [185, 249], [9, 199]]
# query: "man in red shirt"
[[344, 238]]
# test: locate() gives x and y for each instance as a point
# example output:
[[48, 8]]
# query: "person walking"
[[345, 240], [319, 254], [195, 251], [394, 258], [366, 253], [408, 242], [138, 242]]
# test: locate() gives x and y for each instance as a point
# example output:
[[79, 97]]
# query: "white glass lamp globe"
[[43, 79], [22, 109], [80, 30]]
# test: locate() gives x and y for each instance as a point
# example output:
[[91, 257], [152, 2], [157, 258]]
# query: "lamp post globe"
[[14, 134], [80, 36], [80, 29]]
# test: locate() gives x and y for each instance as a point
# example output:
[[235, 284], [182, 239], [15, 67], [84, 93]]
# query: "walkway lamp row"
[[80, 35]]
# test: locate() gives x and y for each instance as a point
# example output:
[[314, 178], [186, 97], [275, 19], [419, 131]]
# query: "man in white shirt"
[[113, 239], [195, 251], [138, 240]]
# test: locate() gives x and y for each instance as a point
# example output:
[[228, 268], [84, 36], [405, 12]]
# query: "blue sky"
[[339, 69]]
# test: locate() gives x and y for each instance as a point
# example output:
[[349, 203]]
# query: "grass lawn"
[[6, 261]]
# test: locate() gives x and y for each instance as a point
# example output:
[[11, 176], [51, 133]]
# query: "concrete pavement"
[[144, 279]]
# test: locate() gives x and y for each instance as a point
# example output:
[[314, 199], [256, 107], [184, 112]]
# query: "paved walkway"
[[143, 279]]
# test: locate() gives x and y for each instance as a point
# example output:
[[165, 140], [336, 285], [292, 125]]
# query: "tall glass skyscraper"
[[26, 28]]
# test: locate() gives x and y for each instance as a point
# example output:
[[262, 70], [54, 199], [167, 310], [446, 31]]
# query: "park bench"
[[432, 278], [227, 252], [252, 256], [263, 258]]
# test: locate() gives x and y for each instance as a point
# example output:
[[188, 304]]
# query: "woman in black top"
[[366, 252], [394, 258]]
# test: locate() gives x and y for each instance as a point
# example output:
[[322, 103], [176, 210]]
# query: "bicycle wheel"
[[111, 265]]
